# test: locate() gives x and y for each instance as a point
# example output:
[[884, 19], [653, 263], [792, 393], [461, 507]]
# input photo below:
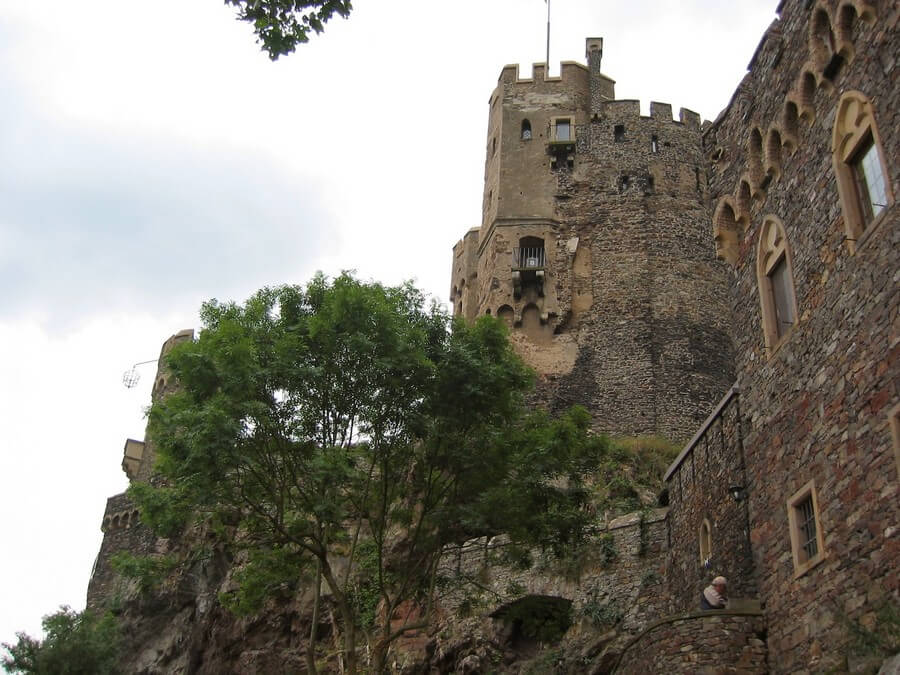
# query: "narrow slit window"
[[619, 133], [654, 144]]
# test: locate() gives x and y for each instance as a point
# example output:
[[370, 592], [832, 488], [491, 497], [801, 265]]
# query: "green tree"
[[75, 643], [280, 25], [347, 436]]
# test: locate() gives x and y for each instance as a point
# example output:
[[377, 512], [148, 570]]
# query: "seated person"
[[713, 596]]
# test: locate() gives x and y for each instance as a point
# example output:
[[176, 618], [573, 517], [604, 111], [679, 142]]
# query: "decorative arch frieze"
[[755, 162], [727, 231], [804, 94], [790, 126], [821, 35], [773, 152]]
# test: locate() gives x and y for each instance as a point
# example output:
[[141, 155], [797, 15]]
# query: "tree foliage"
[[280, 25], [348, 434], [75, 643]]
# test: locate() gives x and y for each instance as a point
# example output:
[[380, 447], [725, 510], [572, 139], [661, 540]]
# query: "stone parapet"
[[707, 642]]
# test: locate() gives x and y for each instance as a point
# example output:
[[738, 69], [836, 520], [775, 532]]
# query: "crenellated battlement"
[[630, 110], [570, 72]]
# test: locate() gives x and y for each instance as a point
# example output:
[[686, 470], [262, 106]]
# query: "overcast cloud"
[[151, 158]]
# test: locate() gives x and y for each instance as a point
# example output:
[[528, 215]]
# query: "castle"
[[734, 283]]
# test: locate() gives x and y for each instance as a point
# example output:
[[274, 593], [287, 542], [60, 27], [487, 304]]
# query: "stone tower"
[[122, 528], [595, 247]]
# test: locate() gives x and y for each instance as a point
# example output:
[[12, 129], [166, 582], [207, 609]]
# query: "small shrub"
[[148, 571], [601, 614], [606, 548]]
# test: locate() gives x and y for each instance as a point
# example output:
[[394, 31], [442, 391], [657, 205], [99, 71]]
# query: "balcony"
[[528, 268], [528, 258]]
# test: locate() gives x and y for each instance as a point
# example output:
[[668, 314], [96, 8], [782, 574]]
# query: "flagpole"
[[547, 68]]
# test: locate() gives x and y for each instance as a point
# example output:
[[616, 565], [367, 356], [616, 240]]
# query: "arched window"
[[705, 543], [526, 130], [774, 273], [859, 165], [506, 313]]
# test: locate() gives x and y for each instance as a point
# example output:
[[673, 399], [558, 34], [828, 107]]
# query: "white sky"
[[151, 157]]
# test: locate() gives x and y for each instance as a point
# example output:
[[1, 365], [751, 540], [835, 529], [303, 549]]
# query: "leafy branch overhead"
[[280, 25]]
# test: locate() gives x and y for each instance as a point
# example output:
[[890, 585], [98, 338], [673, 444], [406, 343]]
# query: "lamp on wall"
[[738, 492]]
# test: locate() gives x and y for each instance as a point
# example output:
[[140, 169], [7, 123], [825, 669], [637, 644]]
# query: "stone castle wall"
[[648, 309], [628, 314], [817, 407], [711, 642], [698, 485], [622, 571], [122, 529]]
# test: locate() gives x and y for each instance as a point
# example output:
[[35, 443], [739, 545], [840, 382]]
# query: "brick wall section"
[[710, 643], [817, 408], [698, 486]]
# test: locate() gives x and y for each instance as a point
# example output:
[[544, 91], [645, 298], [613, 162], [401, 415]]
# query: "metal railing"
[[528, 258]]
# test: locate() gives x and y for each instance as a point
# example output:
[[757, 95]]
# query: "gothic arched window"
[[859, 165], [775, 276]]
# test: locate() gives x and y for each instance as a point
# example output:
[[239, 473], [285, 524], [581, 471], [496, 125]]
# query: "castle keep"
[[594, 246], [734, 283]]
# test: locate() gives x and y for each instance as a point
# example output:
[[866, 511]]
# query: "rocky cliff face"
[[572, 613]]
